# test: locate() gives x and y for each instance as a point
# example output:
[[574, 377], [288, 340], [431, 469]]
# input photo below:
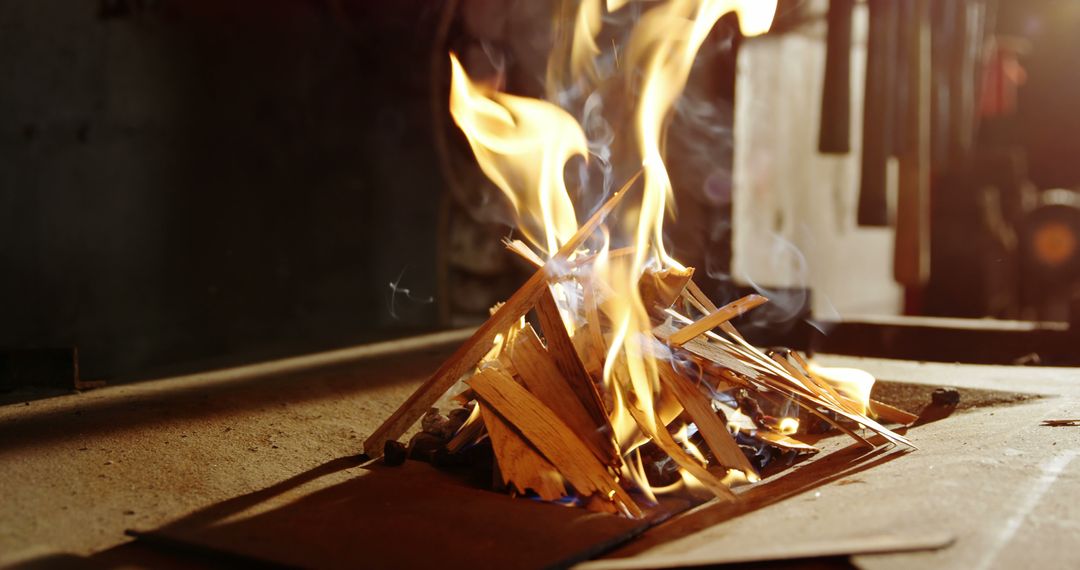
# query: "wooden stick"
[[469, 353], [791, 385], [595, 338], [469, 432], [561, 347], [803, 369], [784, 441], [524, 251], [892, 413], [831, 421], [879, 409], [463, 359], [709, 351], [702, 300], [543, 378], [716, 318], [822, 389], [659, 289], [697, 297], [553, 438], [519, 464], [712, 428], [664, 441], [1061, 423]]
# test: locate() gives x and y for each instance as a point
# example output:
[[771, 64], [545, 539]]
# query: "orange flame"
[[523, 145]]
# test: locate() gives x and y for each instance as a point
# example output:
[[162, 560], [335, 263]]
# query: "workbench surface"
[[78, 470]]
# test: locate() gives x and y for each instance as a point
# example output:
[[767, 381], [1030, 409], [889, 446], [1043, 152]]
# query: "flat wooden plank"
[[519, 464], [549, 434], [412, 516], [567, 360], [536, 367]]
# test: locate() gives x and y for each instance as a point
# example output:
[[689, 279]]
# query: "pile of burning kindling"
[[609, 376], [564, 419]]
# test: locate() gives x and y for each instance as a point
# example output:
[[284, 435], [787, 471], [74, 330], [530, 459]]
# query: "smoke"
[[399, 293], [699, 141], [600, 136], [781, 261]]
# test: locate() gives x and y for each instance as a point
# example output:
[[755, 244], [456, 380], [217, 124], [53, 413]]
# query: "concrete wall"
[[794, 208]]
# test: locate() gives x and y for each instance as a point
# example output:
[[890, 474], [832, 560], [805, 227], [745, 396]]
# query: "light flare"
[[583, 50]]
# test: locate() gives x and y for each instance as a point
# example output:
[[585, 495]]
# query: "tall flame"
[[664, 45], [523, 145]]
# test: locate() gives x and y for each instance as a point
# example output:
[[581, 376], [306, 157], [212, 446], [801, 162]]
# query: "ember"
[[632, 381]]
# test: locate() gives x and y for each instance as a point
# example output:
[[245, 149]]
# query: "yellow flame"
[[735, 477], [788, 426], [682, 436], [522, 145], [851, 383], [584, 49], [755, 17], [615, 5], [664, 45]]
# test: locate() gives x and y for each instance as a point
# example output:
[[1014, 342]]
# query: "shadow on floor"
[[417, 516]]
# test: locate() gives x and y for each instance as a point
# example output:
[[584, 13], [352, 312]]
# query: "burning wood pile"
[[609, 376]]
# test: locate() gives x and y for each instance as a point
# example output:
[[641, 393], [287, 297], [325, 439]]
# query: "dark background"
[[195, 183], [191, 183], [1048, 118]]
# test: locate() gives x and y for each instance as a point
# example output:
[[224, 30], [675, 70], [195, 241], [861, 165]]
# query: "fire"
[[788, 425], [853, 384], [595, 273], [683, 436], [523, 145]]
